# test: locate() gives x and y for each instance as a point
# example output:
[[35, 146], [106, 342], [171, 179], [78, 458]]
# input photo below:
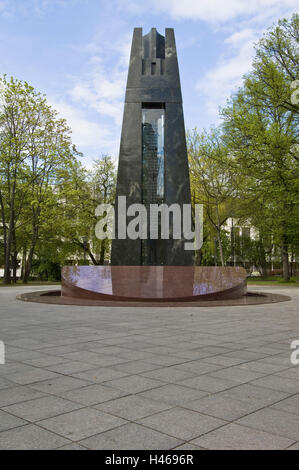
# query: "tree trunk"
[[198, 257], [7, 263], [4, 230], [285, 259], [219, 237], [292, 261], [102, 253], [263, 262], [14, 257], [11, 228], [23, 264], [87, 250], [14, 267], [28, 265], [220, 248], [92, 257]]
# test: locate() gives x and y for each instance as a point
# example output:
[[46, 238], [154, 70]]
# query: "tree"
[[80, 192], [103, 178], [261, 132], [213, 183], [34, 145]]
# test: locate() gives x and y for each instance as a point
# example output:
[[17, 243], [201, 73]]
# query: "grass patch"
[[272, 281], [31, 283]]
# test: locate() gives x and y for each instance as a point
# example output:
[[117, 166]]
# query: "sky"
[[77, 53]]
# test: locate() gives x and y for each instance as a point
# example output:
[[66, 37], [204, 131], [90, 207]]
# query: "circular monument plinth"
[[152, 286], [54, 297], [153, 283]]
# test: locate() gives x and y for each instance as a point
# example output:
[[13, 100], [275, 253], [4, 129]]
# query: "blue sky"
[[77, 52]]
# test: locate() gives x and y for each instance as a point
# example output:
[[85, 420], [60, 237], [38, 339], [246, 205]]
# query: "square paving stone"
[[207, 383], [23, 354], [73, 446], [168, 374], [181, 423], [294, 446], [164, 360], [136, 367], [246, 355], [235, 437], [262, 367], [188, 446], [93, 358], [221, 407], [198, 367], [8, 421], [62, 384], [275, 421], [134, 383], [132, 407], [222, 361], [81, 424], [93, 394], [5, 383], [45, 361], [100, 374], [9, 396], [10, 369], [237, 374], [78, 366], [292, 373], [41, 408], [30, 437], [37, 375], [291, 405], [173, 394], [68, 368], [254, 395], [283, 384], [131, 437]]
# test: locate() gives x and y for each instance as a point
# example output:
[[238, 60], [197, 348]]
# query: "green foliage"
[[245, 171], [47, 199], [248, 168]]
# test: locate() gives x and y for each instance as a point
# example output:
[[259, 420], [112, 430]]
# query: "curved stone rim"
[[54, 297], [139, 283]]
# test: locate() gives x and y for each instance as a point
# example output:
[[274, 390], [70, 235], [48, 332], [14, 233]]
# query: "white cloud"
[[220, 10], [253, 18], [10, 8], [6, 9], [219, 82], [85, 133], [102, 87], [95, 91], [98, 92], [247, 20]]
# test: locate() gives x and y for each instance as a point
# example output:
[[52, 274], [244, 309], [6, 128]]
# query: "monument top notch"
[[153, 45]]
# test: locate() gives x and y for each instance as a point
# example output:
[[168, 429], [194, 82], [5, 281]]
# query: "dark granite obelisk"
[[153, 164]]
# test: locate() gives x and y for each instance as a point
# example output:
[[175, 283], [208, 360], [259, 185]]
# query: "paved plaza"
[[148, 378]]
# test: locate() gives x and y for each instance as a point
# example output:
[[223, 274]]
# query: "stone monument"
[[153, 163]]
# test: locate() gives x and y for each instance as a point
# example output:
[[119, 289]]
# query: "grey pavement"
[[148, 377]]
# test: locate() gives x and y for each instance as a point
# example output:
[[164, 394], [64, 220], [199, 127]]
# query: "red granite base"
[[55, 298], [152, 286], [153, 283]]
